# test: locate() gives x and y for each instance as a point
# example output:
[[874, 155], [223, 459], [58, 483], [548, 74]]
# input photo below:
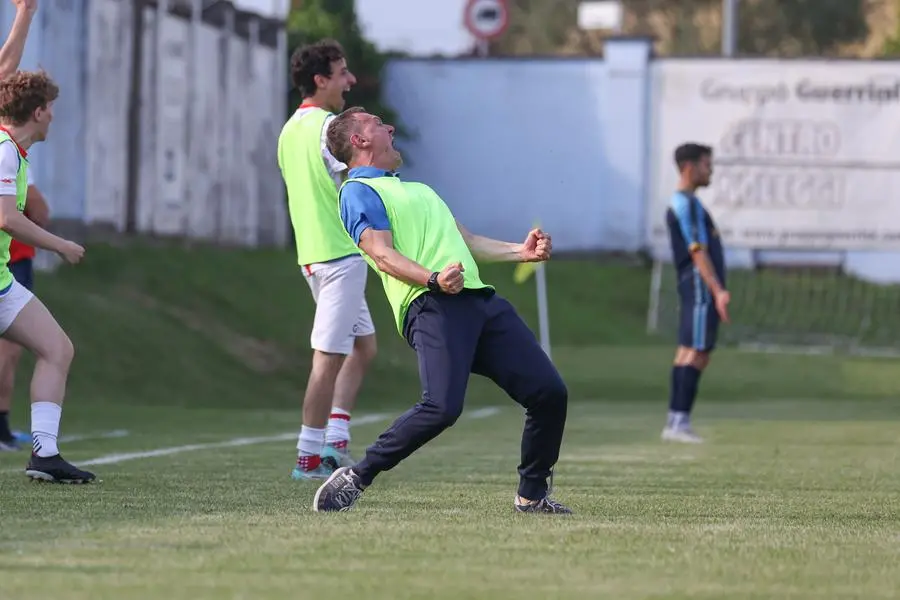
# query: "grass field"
[[795, 495]]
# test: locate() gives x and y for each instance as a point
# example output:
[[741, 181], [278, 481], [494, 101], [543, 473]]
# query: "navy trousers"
[[478, 332]]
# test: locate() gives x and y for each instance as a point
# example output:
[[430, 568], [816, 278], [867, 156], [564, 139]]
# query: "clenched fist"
[[537, 247], [451, 278]]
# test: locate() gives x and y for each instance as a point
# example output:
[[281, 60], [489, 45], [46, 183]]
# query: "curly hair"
[[24, 92], [339, 132], [312, 60]]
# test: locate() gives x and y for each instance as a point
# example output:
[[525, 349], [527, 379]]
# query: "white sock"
[[678, 419], [338, 426], [310, 441], [45, 428]]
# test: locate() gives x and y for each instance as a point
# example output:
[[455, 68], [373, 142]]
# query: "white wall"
[[574, 143], [211, 108], [106, 119], [209, 133], [505, 149]]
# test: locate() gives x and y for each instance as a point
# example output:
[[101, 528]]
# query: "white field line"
[[111, 459], [103, 435], [483, 413]]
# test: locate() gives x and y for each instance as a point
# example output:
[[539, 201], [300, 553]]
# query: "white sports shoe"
[[684, 435]]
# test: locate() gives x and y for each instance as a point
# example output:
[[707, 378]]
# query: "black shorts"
[[699, 326], [23, 271]]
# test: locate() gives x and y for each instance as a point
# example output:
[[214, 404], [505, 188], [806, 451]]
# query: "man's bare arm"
[[14, 46], [36, 207], [17, 225], [490, 250], [379, 245], [707, 273]]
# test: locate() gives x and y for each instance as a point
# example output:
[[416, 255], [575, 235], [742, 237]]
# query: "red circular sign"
[[486, 19]]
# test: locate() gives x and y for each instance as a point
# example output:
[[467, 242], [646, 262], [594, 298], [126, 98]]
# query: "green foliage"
[[336, 19], [794, 28], [536, 27], [783, 28], [891, 47]]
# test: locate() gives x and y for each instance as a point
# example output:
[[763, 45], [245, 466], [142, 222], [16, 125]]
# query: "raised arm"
[[490, 250], [535, 249], [366, 220], [379, 245], [14, 46]]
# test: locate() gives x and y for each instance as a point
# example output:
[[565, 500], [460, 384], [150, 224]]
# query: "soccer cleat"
[[22, 437], [545, 505], [321, 471], [56, 470], [682, 434], [337, 457], [339, 493]]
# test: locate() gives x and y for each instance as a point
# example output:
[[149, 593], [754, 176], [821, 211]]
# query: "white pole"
[[540, 277], [484, 48], [729, 27]]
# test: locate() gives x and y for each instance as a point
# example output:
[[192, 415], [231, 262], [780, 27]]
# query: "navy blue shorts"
[[23, 271], [699, 326]]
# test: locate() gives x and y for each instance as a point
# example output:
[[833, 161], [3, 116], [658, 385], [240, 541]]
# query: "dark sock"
[[675, 388], [5, 433], [690, 382]]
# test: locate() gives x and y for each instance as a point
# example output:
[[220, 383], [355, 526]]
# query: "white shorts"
[[342, 315], [11, 304]]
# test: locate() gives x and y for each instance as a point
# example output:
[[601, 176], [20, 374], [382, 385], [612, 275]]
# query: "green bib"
[[424, 231], [6, 278], [312, 195]]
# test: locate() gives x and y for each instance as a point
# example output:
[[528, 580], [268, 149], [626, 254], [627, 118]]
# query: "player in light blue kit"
[[700, 266]]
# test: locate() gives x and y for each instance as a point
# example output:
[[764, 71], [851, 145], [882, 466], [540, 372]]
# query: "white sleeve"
[[29, 175], [9, 168], [334, 166]]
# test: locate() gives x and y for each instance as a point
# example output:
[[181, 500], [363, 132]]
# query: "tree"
[[796, 28], [313, 20], [536, 27], [783, 28], [892, 44]]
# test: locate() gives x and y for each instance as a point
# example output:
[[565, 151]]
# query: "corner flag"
[[524, 271]]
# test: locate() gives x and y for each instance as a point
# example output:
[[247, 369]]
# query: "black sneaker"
[[56, 470], [339, 492], [546, 505]]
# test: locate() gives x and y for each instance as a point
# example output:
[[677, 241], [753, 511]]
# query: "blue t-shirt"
[[691, 227], [361, 206]]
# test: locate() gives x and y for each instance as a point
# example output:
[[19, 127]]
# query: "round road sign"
[[486, 19]]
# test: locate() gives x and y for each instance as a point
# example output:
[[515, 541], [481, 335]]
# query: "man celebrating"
[[26, 110], [335, 271], [456, 323], [700, 264]]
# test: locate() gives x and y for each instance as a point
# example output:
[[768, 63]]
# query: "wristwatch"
[[433, 284]]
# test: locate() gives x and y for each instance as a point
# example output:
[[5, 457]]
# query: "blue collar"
[[369, 172]]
